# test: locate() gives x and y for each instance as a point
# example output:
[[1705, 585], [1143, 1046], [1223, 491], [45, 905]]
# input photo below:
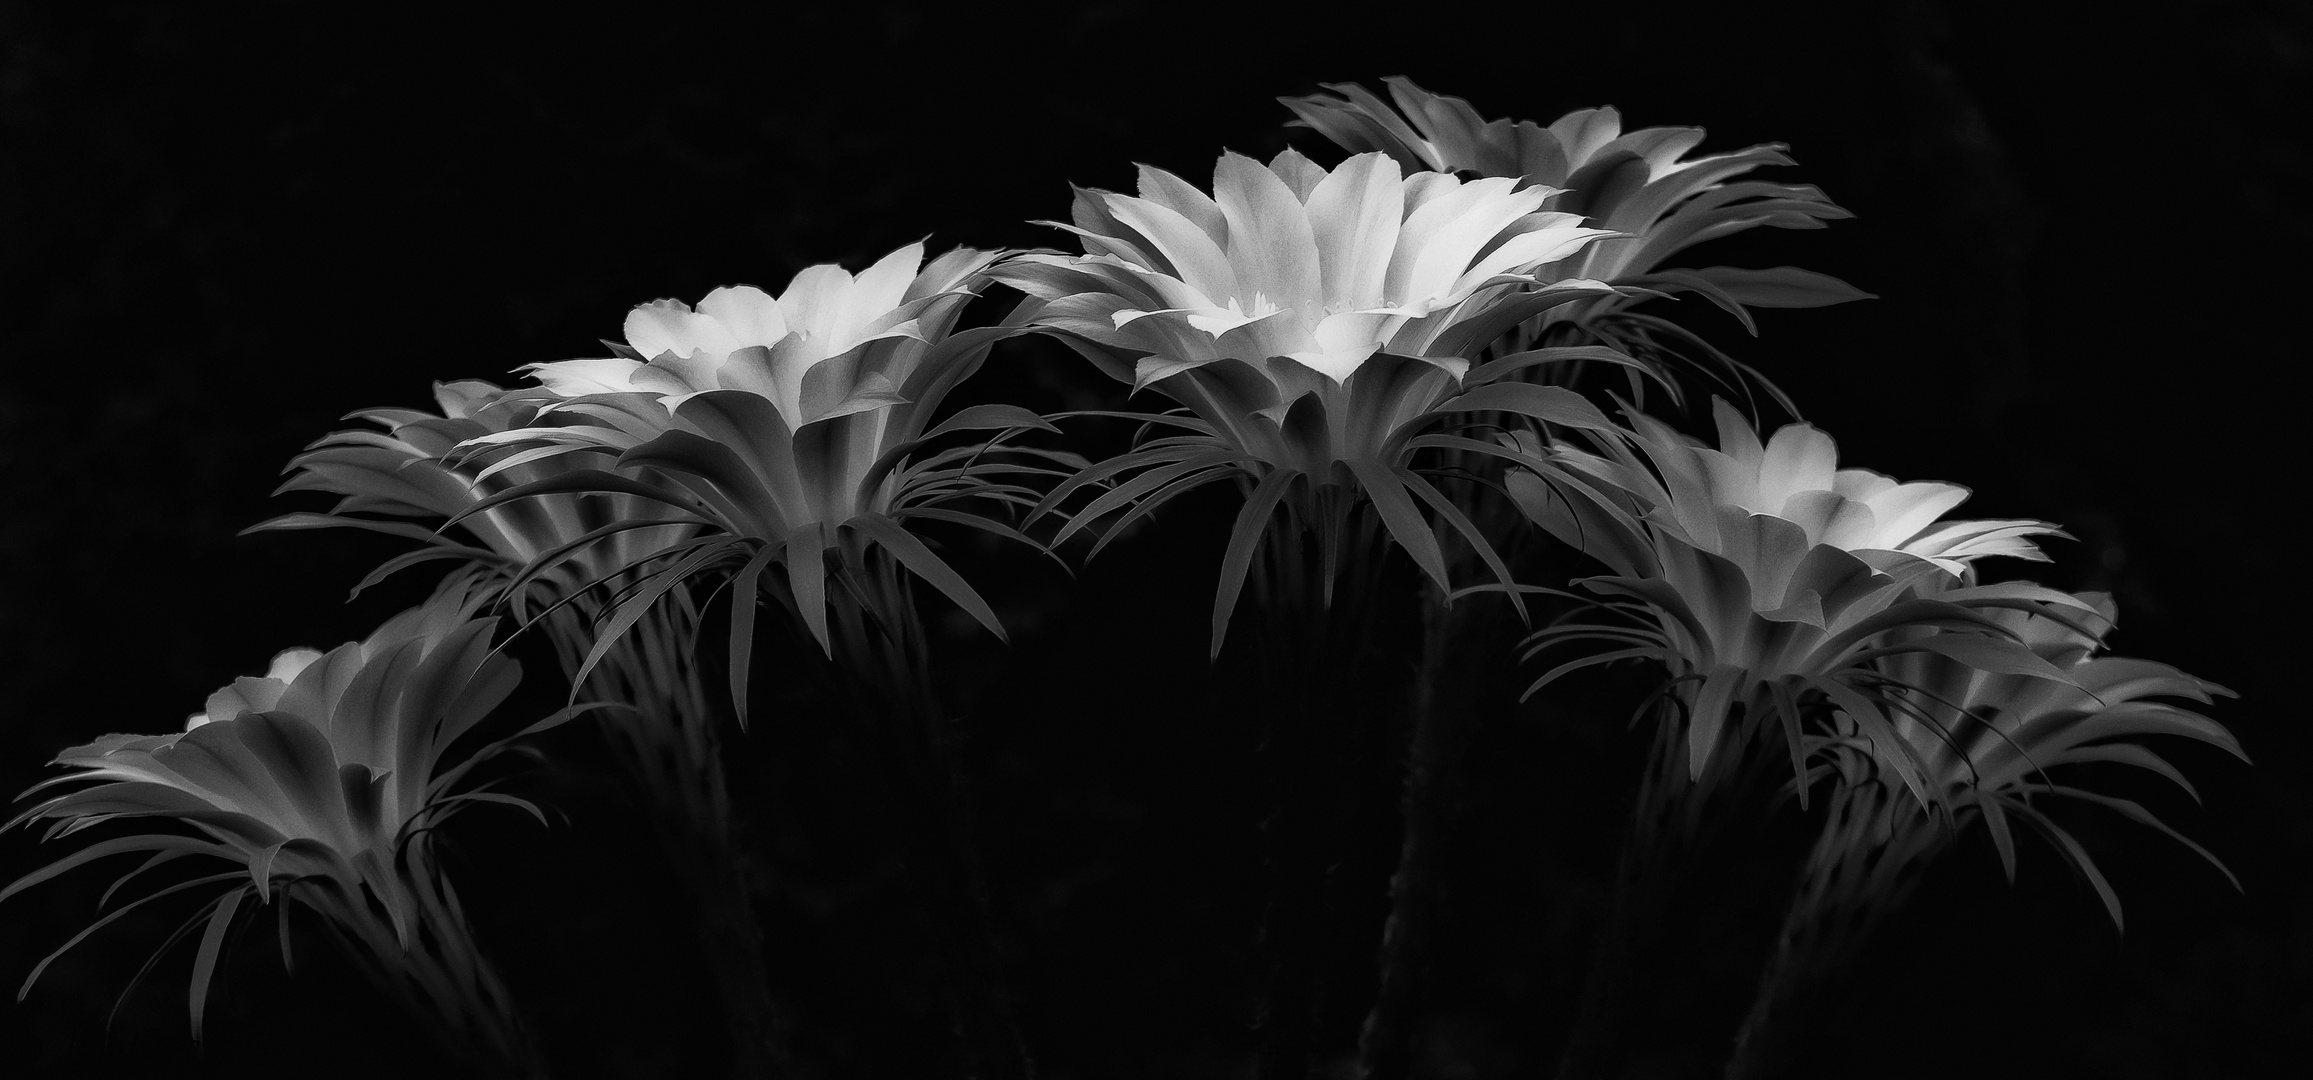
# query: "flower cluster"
[[1363, 350]]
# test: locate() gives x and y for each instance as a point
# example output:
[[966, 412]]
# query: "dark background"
[[220, 231]]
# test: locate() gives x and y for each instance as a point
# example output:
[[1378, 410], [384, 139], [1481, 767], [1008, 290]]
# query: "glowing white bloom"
[[1316, 323], [1765, 505], [1292, 260], [831, 343]]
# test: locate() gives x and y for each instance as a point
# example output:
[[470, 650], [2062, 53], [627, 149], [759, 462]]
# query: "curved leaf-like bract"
[[544, 548], [321, 781]]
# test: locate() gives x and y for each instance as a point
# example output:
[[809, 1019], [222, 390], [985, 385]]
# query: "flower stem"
[[436, 971], [885, 668], [1610, 989], [1319, 731], [672, 753], [1677, 825], [1446, 718], [1859, 870]]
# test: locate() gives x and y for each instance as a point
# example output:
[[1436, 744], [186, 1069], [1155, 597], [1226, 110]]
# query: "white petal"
[[949, 271], [788, 361], [1525, 251], [1862, 485], [881, 287], [814, 301], [1358, 333], [1283, 332], [572, 378], [1196, 259], [288, 662], [1270, 244], [1336, 366], [1354, 214], [1137, 283], [1738, 439], [1586, 131], [1442, 238], [1732, 482], [1905, 510], [748, 369], [1829, 519], [1300, 174], [1183, 198], [673, 374], [671, 326], [1799, 458], [747, 313]]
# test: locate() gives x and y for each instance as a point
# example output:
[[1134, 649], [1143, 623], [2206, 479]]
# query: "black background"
[[220, 231]]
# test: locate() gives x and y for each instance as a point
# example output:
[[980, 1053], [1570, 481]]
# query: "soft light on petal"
[[1195, 258], [1354, 214], [577, 378], [1270, 241], [814, 303], [663, 326], [876, 291], [748, 314], [1799, 458]]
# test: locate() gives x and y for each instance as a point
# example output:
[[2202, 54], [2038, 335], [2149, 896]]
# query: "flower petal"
[[1183, 198], [1905, 509], [663, 326], [1443, 236], [814, 303], [1299, 173], [1195, 258], [1799, 458], [1270, 243], [1354, 214], [747, 313], [577, 378], [878, 289]]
